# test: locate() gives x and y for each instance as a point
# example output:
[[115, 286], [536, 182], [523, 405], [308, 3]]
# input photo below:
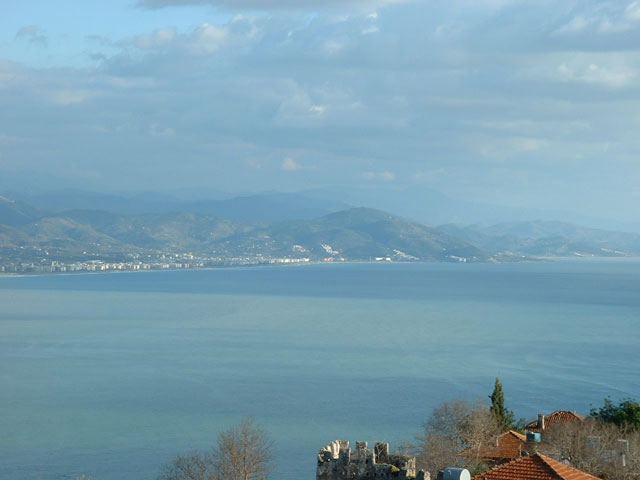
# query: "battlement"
[[336, 461]]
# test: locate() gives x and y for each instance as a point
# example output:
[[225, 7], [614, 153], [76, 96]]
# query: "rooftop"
[[559, 416], [534, 467]]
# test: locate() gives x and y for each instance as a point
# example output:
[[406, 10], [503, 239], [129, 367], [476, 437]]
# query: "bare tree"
[[452, 428], [479, 429], [601, 449], [191, 466], [242, 453]]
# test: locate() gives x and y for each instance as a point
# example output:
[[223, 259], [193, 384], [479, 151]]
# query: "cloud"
[[370, 30], [604, 18], [575, 25], [379, 176], [500, 149], [157, 39], [33, 34], [274, 5], [291, 91], [611, 70], [617, 76], [156, 130], [66, 98], [289, 164], [205, 39]]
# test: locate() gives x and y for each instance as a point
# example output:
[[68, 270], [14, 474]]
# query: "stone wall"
[[336, 461]]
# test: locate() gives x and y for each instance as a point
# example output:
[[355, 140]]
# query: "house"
[[534, 467], [556, 418], [508, 446]]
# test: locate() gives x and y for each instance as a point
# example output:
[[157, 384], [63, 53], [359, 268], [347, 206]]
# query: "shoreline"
[[528, 260]]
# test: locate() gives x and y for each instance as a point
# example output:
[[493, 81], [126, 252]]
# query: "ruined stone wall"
[[336, 461]]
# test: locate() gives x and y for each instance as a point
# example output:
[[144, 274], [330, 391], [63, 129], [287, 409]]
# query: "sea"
[[111, 376]]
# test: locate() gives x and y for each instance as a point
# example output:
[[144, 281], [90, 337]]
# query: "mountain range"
[[273, 225]]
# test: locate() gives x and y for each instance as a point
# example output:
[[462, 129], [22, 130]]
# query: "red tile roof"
[[508, 446], [559, 416], [534, 467]]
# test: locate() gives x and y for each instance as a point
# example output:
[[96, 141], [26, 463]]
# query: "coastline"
[[530, 260]]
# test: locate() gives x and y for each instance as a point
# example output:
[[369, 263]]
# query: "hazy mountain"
[[278, 225], [14, 213], [432, 207], [164, 231], [73, 199], [545, 238], [354, 234], [259, 208], [266, 207], [357, 233]]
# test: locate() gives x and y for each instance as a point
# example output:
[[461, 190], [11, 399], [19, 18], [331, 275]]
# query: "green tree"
[[625, 414], [504, 416]]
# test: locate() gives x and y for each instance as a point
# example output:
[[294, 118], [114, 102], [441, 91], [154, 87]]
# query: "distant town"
[[136, 262]]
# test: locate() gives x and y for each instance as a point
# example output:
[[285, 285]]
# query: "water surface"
[[111, 375]]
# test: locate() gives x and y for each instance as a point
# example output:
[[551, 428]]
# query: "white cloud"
[[609, 76], [614, 70], [6, 139], [605, 18], [632, 12], [289, 164], [385, 176], [317, 109], [333, 47], [156, 130], [575, 25], [71, 97], [208, 38], [157, 39], [271, 5], [500, 149], [370, 30], [130, 82], [205, 39]]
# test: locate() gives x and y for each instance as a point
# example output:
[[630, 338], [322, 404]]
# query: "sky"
[[522, 103]]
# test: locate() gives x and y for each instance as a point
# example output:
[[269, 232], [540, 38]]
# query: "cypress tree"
[[504, 417]]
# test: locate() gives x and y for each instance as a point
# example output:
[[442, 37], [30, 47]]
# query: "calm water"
[[111, 375]]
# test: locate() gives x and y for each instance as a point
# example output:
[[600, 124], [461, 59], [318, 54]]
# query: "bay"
[[111, 375]]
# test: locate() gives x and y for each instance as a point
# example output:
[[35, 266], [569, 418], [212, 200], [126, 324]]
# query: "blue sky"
[[524, 103]]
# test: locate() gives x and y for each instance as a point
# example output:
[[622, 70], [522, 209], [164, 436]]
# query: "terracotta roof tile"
[[534, 467], [509, 445], [559, 416]]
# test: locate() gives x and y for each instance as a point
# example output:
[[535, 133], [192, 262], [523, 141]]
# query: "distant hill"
[[544, 238], [357, 233], [353, 234], [14, 213], [265, 227], [431, 207], [266, 208], [259, 208], [73, 199]]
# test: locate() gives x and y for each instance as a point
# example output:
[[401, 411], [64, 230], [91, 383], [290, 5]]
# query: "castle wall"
[[336, 461]]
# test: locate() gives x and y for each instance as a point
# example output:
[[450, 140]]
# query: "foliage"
[[242, 453], [625, 414], [504, 416]]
